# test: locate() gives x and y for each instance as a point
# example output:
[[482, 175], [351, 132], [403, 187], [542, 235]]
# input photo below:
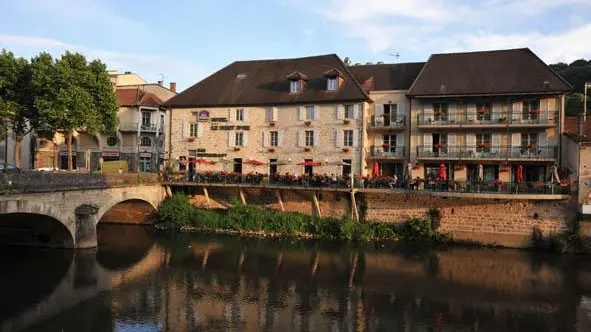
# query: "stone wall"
[[492, 221]]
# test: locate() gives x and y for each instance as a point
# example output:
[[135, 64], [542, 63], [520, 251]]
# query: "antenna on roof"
[[162, 77], [395, 54], [347, 61]]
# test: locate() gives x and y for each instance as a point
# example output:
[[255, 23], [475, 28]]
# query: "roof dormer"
[[296, 81], [334, 79]]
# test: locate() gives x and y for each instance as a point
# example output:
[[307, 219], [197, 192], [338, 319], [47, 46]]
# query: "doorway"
[[238, 165], [272, 168], [346, 167], [309, 170]]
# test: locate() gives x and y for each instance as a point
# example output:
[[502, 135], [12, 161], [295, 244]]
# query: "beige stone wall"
[[287, 123]]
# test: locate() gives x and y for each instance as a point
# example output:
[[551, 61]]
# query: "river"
[[142, 280]]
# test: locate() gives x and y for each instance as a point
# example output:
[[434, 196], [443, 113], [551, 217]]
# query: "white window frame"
[[332, 83], [349, 111], [295, 86], [193, 129], [348, 138], [239, 138], [146, 115], [239, 115], [274, 138], [309, 138], [310, 112]]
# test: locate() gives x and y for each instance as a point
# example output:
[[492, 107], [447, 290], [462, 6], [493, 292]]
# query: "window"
[[440, 111], [348, 138], [390, 111], [193, 129], [439, 142], [112, 141], [192, 153], [483, 142], [240, 114], [332, 84], [531, 109], [309, 138], [389, 143], [295, 86], [483, 111], [309, 112], [239, 139], [146, 119], [274, 138], [146, 141], [162, 120], [349, 112], [529, 139], [145, 164], [346, 167]]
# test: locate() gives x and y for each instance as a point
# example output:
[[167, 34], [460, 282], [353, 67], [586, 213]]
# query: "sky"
[[187, 40]]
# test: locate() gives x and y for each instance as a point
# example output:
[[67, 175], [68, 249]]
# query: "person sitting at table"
[[393, 181]]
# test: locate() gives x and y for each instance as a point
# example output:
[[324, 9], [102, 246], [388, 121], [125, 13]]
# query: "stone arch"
[[31, 207], [117, 200]]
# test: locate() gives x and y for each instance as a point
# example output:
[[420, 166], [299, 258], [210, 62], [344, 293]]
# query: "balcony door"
[[389, 143], [390, 113]]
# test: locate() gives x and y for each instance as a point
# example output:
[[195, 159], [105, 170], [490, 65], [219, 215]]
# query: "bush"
[[175, 211]]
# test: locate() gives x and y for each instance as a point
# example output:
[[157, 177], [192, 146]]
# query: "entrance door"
[[308, 169], [346, 167], [145, 164], [238, 165], [272, 168], [64, 161]]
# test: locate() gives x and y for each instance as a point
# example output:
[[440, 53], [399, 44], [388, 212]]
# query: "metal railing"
[[487, 152], [487, 118], [388, 121], [386, 151], [133, 126]]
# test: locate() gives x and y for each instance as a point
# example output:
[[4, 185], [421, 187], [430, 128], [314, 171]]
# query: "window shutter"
[[428, 112], [183, 133], [199, 129], [516, 111], [301, 115], [231, 138], [544, 110], [274, 114], [264, 140], [451, 111], [245, 138], [379, 110], [356, 111], [471, 112], [515, 144], [356, 138], [401, 109], [378, 140], [279, 138], [269, 114], [427, 142], [316, 111], [496, 111], [471, 142], [495, 142], [230, 113], [299, 138], [543, 139], [337, 138], [315, 135], [400, 140], [340, 112], [245, 114], [451, 141]]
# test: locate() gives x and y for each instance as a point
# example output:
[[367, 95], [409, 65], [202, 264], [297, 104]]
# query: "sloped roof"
[[382, 77], [264, 82], [133, 97], [514, 71]]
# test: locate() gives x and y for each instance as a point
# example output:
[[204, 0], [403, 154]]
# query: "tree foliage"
[[576, 73]]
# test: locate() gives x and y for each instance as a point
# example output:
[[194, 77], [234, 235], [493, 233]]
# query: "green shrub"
[[176, 211]]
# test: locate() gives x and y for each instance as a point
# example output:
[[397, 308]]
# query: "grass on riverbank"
[[177, 212]]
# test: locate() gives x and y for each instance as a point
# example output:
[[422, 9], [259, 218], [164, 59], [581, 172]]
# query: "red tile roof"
[[133, 97]]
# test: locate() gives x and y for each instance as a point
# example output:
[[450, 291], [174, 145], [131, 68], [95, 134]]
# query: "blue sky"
[[188, 40]]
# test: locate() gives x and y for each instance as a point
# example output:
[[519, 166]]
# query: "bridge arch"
[[111, 203], [35, 223]]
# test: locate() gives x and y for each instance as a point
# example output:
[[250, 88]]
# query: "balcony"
[[133, 127], [390, 152], [503, 153], [487, 119], [387, 122]]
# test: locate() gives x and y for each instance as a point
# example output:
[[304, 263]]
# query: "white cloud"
[[147, 65]]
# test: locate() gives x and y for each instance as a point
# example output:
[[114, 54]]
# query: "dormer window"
[[332, 84], [334, 78], [296, 81], [295, 86]]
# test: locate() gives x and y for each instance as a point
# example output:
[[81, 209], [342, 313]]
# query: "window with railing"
[[389, 145], [146, 119], [483, 141], [529, 141], [439, 142], [440, 112], [483, 111], [530, 109]]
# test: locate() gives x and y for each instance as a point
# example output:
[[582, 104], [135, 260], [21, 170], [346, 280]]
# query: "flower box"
[[536, 111], [272, 123], [483, 111], [236, 148], [308, 123], [439, 146], [307, 149], [345, 150], [191, 139], [385, 145], [346, 121], [271, 149]]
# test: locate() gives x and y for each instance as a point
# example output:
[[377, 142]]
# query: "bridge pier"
[[86, 226]]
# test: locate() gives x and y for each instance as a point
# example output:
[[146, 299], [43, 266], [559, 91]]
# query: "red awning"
[[309, 163], [203, 161], [376, 170], [253, 162]]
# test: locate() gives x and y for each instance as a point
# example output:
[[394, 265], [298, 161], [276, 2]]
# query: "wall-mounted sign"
[[145, 154], [110, 154], [219, 120], [203, 116], [212, 155], [227, 127]]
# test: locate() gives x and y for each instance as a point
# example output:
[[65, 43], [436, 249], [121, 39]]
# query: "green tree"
[[73, 95]]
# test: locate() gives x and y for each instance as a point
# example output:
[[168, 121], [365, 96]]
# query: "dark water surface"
[[139, 280]]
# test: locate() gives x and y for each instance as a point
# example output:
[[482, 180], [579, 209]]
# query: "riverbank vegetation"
[[177, 212]]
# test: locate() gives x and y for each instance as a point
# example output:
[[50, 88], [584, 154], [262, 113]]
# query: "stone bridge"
[[63, 210]]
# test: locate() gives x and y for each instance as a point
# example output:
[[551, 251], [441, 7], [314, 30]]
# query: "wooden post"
[[354, 210], [205, 257], [279, 200], [353, 269], [316, 205], [168, 191], [242, 197], [206, 196], [315, 263]]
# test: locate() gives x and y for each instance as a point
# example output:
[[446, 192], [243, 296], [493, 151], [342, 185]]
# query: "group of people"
[[316, 180]]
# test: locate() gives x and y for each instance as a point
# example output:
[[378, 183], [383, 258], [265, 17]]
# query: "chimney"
[[173, 86], [161, 83]]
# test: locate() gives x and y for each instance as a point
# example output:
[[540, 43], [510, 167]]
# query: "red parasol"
[[203, 161], [253, 162], [519, 174], [309, 163], [442, 173], [376, 170]]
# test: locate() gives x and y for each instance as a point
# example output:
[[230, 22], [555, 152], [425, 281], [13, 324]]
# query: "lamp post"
[[54, 141]]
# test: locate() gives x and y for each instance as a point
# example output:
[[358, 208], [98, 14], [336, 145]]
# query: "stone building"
[[280, 112], [139, 140]]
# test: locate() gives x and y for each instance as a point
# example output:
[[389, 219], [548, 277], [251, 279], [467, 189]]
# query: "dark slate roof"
[[514, 71], [387, 76], [264, 82]]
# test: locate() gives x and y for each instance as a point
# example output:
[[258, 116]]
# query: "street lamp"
[[587, 86]]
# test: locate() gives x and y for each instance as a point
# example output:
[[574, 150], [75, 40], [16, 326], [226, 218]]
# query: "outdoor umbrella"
[[253, 162], [555, 176], [376, 170], [203, 161], [519, 174], [480, 172], [309, 163], [442, 173]]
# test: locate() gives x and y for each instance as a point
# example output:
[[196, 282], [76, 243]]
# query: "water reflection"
[[157, 282]]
